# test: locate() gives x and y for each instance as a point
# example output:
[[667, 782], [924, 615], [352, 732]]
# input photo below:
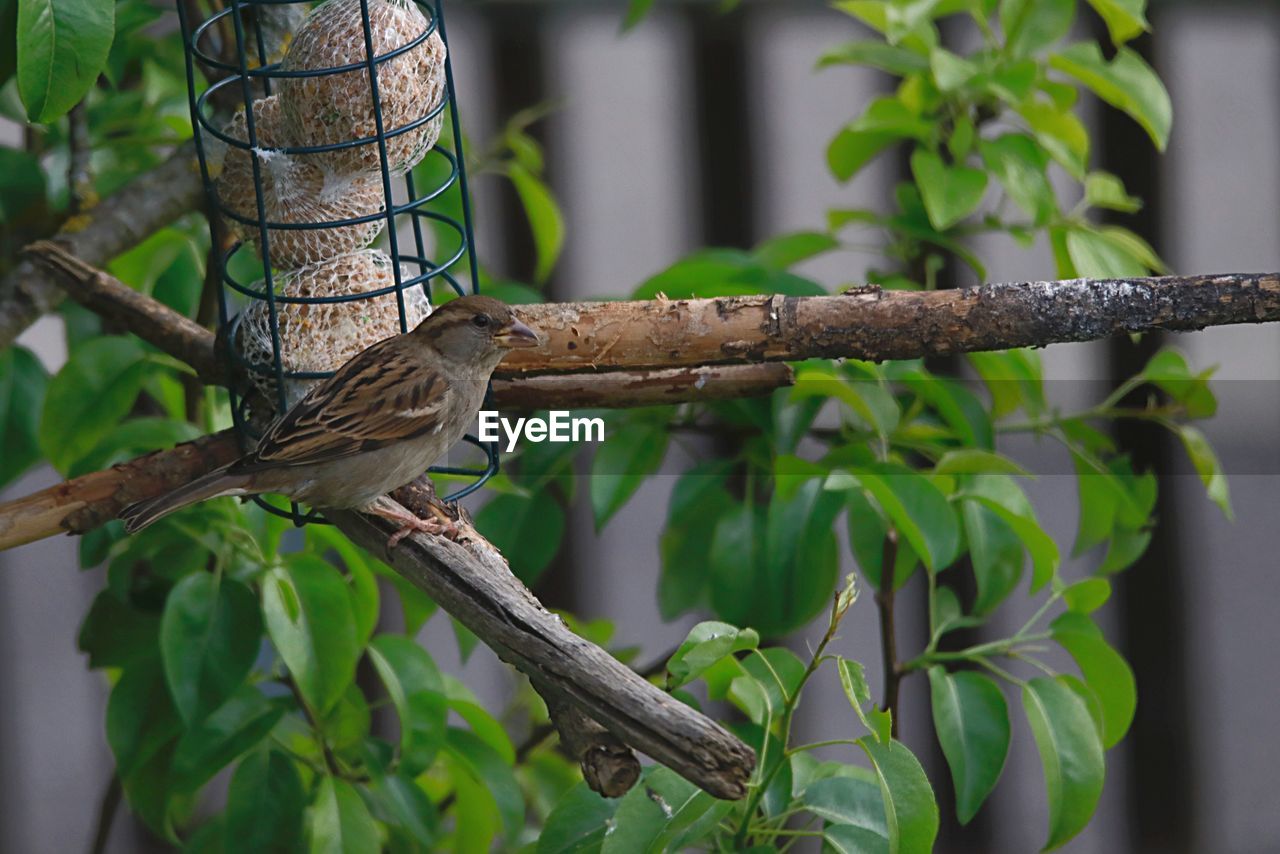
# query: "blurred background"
[[700, 129]]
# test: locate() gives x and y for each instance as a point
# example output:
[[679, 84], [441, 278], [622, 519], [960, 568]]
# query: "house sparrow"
[[375, 425]]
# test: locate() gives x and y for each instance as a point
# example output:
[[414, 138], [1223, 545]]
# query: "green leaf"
[[578, 823], [852, 803], [93, 391], [853, 679], [875, 54], [544, 215], [621, 464], [692, 820], [1104, 670], [400, 802], [216, 740], [1019, 164], [1104, 190], [209, 639], [1125, 19], [114, 633], [1030, 26], [1169, 371], [1070, 752], [1126, 83], [972, 721], [141, 719], [491, 770], [636, 12], [133, 438], [346, 725], [884, 121], [1087, 596], [846, 839], [366, 604], [723, 272], [872, 403], [911, 814], [950, 193], [919, 510], [62, 47], [1061, 134], [265, 803], [775, 568], [416, 689], [867, 532], [977, 461], [527, 529], [1006, 499], [706, 644], [310, 620], [787, 250], [1096, 256], [338, 821], [698, 501], [1207, 466], [950, 72], [646, 811], [1125, 548], [996, 553]]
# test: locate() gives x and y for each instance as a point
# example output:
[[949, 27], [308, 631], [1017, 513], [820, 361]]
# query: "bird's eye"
[[481, 321]]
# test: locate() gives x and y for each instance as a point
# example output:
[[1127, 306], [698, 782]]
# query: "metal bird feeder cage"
[[425, 206]]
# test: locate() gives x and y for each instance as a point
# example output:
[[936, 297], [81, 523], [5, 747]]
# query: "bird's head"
[[476, 330]]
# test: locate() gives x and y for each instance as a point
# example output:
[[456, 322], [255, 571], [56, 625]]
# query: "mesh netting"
[[296, 188], [336, 108]]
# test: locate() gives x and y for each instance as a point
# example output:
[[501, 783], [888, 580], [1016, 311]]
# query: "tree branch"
[[474, 584], [868, 323], [150, 202]]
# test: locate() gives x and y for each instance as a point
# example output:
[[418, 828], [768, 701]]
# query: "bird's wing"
[[377, 399]]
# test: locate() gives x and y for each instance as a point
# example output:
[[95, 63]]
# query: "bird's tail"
[[215, 484]]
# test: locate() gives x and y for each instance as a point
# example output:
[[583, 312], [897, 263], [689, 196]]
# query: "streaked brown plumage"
[[375, 425]]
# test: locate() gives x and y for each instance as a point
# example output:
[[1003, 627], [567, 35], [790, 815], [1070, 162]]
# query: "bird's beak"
[[518, 334]]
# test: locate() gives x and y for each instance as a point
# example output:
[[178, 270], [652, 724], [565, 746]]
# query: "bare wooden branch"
[[867, 323], [150, 202], [84, 503], [474, 584]]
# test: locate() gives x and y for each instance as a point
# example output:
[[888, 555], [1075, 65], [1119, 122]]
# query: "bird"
[[378, 423]]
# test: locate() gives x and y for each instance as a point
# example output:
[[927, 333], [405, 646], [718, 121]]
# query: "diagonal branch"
[[474, 584]]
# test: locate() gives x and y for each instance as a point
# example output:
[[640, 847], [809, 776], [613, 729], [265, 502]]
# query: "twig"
[[107, 809], [79, 174], [888, 630]]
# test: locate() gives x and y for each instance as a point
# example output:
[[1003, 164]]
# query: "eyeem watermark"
[[560, 426]]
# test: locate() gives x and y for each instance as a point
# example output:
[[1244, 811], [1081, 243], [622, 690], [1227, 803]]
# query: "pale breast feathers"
[[377, 399]]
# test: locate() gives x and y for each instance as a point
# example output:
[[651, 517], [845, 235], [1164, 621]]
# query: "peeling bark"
[[868, 323]]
